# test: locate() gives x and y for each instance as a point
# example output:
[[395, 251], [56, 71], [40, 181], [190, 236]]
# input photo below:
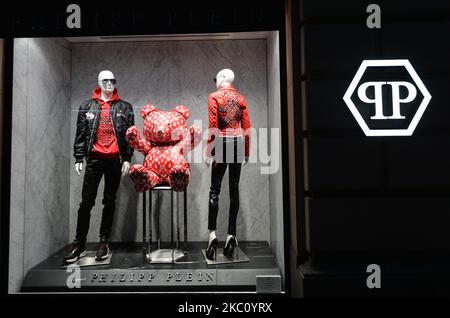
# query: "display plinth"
[[239, 257], [89, 260], [165, 256], [130, 271]]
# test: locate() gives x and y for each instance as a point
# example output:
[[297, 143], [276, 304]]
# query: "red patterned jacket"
[[227, 112]]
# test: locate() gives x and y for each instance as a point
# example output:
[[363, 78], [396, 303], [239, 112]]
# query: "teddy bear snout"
[[160, 133]]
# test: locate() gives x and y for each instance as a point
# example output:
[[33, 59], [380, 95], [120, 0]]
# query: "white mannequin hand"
[[244, 162], [208, 161], [79, 167], [125, 168]]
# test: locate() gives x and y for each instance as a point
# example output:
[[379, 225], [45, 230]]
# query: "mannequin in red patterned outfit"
[[228, 132]]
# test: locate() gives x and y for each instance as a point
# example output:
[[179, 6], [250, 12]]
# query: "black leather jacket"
[[122, 117]]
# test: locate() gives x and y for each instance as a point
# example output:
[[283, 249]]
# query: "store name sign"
[[157, 277], [387, 98], [106, 20]]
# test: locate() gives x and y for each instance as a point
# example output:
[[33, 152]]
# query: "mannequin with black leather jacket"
[[100, 140]]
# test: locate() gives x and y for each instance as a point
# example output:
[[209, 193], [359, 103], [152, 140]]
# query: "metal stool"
[[171, 255]]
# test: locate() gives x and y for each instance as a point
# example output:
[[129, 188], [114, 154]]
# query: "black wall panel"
[[313, 9], [375, 193], [404, 224], [421, 163], [345, 164]]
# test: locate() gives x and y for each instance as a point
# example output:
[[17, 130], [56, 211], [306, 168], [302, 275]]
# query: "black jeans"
[[218, 169], [95, 169]]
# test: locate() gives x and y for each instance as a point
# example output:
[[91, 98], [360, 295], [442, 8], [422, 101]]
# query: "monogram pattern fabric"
[[229, 110], [167, 140], [228, 113], [105, 130]]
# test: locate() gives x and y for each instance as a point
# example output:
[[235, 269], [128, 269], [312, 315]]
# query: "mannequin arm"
[[79, 167], [246, 125], [125, 168], [135, 140], [192, 139], [213, 119], [79, 149]]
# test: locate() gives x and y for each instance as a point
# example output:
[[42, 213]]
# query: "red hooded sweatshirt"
[[105, 147]]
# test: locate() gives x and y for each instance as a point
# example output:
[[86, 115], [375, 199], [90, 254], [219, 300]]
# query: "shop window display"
[[167, 82]]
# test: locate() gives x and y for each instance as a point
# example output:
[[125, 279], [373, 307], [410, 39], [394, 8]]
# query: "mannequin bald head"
[[107, 82], [224, 78]]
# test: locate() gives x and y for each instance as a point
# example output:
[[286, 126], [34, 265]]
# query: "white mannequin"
[[107, 92], [224, 79]]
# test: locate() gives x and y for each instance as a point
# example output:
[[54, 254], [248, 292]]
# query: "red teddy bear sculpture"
[[167, 141]]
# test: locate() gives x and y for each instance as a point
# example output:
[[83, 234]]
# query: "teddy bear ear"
[[147, 109], [183, 110]]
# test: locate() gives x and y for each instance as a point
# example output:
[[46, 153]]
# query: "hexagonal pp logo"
[[387, 98]]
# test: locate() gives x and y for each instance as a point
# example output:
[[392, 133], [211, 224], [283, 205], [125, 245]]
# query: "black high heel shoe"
[[228, 250], [211, 251]]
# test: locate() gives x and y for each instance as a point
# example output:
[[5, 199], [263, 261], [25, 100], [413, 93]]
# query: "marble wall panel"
[[275, 179], [40, 153], [168, 74]]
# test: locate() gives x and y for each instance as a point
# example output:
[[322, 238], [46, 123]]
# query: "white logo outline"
[[387, 132]]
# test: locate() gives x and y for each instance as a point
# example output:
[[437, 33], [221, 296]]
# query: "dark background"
[[383, 200], [376, 193]]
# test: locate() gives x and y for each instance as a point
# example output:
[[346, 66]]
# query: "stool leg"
[[178, 223], [185, 217], [171, 218], [158, 225], [144, 221], [150, 223], [171, 223]]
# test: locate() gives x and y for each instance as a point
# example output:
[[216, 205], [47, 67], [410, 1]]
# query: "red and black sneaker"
[[103, 250], [77, 250]]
